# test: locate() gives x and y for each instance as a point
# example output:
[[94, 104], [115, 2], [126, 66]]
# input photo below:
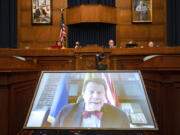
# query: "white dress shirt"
[[91, 122]]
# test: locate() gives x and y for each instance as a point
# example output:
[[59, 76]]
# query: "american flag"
[[111, 94], [62, 30]]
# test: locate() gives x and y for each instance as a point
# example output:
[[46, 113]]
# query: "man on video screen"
[[92, 111]]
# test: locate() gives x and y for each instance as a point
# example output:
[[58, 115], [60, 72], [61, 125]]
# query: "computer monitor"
[[131, 45], [91, 100]]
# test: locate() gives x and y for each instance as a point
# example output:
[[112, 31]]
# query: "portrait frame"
[[141, 11], [41, 12]]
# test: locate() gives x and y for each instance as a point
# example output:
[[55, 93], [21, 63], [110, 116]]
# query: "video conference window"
[[113, 100]]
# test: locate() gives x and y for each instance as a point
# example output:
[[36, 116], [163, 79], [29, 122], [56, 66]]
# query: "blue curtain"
[[93, 1], [8, 24], [84, 2], [91, 33], [173, 23], [79, 2]]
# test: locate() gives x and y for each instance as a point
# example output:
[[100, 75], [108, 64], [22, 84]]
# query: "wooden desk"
[[18, 80], [84, 58], [162, 78]]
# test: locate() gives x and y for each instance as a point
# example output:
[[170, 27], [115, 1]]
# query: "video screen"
[[91, 100]]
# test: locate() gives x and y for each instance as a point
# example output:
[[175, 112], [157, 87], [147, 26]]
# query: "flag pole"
[[62, 9], [62, 43]]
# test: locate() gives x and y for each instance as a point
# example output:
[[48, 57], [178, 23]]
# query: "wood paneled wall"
[[141, 33], [45, 36], [91, 13], [38, 36]]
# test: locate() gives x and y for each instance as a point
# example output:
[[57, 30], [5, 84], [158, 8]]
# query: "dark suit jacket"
[[71, 116], [37, 13]]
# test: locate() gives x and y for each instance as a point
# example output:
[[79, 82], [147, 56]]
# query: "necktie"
[[87, 114]]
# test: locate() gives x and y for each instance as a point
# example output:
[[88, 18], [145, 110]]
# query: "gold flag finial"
[[62, 9], [63, 47]]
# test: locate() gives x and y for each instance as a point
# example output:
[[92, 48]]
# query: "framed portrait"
[[41, 12], [141, 11]]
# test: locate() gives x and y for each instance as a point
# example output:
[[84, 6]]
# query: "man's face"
[[77, 43], [58, 43], [41, 6], [94, 96], [111, 43], [141, 3], [151, 44]]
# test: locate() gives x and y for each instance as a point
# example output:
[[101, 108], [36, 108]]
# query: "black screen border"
[[100, 129]]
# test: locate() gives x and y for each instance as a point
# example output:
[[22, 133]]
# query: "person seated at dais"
[[111, 44], [77, 45], [151, 44]]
